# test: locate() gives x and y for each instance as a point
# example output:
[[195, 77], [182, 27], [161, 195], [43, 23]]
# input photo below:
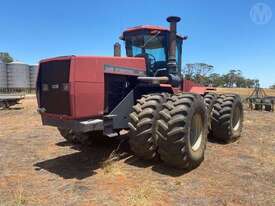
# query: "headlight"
[[45, 87], [65, 87]]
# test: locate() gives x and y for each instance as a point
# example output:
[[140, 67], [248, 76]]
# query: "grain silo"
[[18, 76], [3, 76], [33, 75]]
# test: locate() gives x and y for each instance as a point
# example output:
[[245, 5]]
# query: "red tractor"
[[144, 93]]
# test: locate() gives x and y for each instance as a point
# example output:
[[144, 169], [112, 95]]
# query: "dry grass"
[[145, 194], [53, 172], [18, 196], [111, 166], [244, 91]]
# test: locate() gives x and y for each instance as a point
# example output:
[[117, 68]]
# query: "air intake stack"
[[117, 49], [172, 64]]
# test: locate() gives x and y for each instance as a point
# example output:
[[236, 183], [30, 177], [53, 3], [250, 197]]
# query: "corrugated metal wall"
[[33, 75], [3, 75], [17, 75]]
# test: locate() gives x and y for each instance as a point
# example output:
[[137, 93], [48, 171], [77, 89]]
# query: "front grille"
[[53, 86]]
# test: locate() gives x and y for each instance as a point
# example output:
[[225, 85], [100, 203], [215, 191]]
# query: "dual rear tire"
[[227, 118], [225, 115], [209, 101]]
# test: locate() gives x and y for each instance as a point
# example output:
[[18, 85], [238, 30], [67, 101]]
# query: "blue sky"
[[220, 32]]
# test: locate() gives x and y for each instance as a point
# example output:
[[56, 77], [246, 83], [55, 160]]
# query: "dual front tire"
[[175, 128], [142, 125], [182, 131]]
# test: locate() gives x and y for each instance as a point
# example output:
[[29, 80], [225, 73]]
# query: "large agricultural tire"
[[182, 131], [227, 118], [142, 138], [73, 138], [209, 101]]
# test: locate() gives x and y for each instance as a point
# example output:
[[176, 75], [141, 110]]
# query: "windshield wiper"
[[152, 38]]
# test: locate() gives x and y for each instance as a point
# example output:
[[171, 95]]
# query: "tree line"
[[203, 73], [5, 57]]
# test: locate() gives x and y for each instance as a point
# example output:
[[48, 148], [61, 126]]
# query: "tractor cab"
[[152, 43]]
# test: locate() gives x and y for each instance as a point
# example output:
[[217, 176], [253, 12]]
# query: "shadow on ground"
[[157, 165], [11, 108], [214, 140], [85, 161]]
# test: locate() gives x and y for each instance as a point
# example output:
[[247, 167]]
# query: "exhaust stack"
[[172, 65], [117, 49]]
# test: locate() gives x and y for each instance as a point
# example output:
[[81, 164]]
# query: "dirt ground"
[[37, 167]]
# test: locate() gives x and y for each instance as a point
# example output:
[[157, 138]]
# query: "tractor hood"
[[72, 87]]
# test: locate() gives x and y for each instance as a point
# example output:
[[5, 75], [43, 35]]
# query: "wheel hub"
[[196, 132], [236, 119]]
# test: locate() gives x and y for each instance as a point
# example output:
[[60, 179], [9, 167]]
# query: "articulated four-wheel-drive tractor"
[[145, 93]]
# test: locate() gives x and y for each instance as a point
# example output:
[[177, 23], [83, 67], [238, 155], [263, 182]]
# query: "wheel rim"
[[196, 132], [236, 119]]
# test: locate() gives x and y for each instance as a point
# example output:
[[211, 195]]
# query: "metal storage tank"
[[33, 75], [3, 75], [18, 75]]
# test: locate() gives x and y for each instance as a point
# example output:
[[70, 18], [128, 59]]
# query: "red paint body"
[[150, 28], [190, 86], [86, 83]]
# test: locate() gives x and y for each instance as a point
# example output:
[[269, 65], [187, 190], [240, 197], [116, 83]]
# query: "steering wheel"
[[152, 59]]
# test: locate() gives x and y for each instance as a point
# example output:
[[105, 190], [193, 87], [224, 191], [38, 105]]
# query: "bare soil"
[[37, 167]]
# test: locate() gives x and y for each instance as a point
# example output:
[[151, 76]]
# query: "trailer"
[[8, 100], [259, 100]]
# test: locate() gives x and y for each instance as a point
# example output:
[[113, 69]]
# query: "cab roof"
[[150, 28]]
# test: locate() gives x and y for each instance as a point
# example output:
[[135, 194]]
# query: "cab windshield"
[[152, 46]]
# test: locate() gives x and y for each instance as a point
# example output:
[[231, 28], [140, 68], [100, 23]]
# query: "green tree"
[[5, 57], [232, 77], [203, 73], [197, 72], [272, 86], [216, 80], [188, 71]]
